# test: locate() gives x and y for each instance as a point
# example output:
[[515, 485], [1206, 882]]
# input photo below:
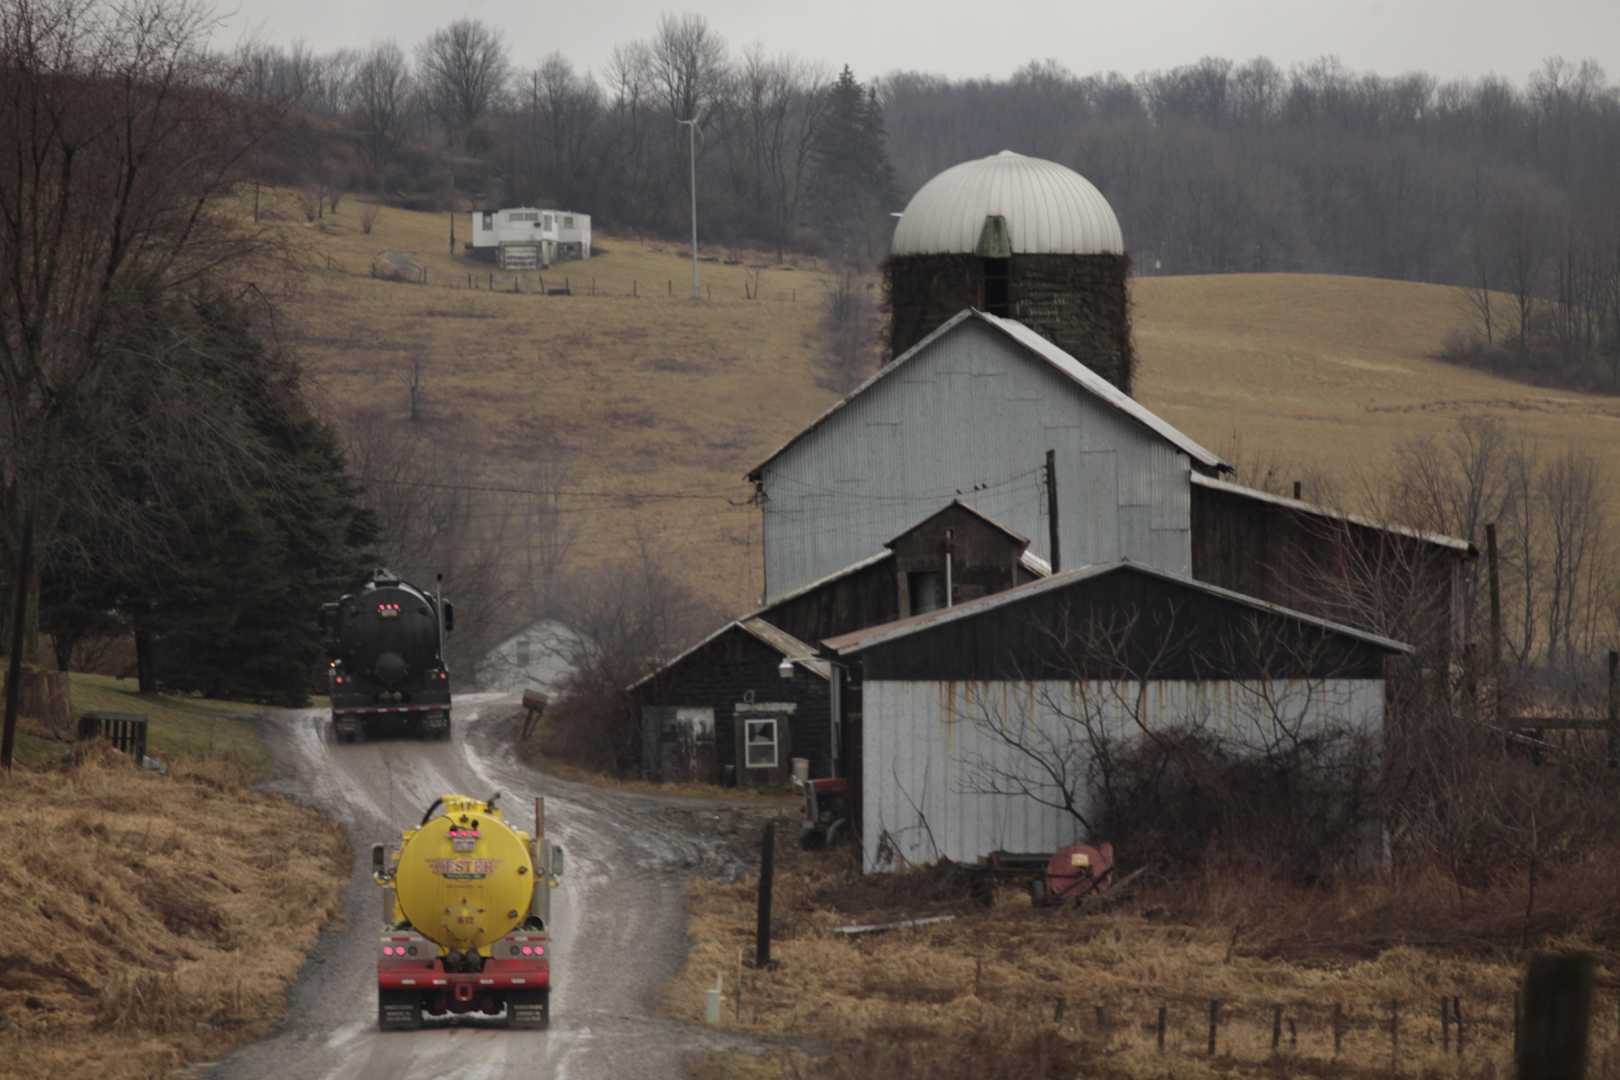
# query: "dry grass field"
[[152, 920], [652, 394], [1017, 991]]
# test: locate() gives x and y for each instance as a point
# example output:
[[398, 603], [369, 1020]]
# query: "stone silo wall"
[[1078, 302]]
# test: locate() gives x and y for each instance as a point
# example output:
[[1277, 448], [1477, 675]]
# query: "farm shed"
[[1337, 565], [723, 711], [968, 414], [701, 688], [960, 709]]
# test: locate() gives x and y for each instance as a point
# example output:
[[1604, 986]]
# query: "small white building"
[[526, 237]]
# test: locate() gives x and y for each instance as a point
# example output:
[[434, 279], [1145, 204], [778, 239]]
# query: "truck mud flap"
[[529, 1010], [399, 1010]]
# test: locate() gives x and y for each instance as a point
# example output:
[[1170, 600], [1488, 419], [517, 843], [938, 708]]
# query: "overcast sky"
[[971, 37]]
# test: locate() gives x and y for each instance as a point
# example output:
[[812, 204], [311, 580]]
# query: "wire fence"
[[539, 283]]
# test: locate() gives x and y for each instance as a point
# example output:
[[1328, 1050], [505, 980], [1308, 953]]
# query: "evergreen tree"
[[221, 583], [852, 185]]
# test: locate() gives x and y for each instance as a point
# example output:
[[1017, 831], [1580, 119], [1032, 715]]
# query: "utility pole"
[[1052, 508], [691, 145]]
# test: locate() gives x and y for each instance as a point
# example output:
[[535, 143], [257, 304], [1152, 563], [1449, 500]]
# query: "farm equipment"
[[467, 910], [1064, 876], [825, 814]]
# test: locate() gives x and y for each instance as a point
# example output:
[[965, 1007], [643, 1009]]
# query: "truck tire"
[[529, 1010], [398, 1010]]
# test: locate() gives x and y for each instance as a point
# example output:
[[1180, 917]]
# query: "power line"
[[573, 493]]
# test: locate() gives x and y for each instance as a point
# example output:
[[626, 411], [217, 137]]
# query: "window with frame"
[[489, 219], [568, 222], [759, 744]]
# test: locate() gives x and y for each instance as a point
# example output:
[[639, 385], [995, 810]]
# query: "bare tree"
[[688, 64], [623, 621], [121, 133], [379, 99], [1271, 747], [849, 332], [464, 70]]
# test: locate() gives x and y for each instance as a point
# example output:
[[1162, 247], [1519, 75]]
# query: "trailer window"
[[759, 744]]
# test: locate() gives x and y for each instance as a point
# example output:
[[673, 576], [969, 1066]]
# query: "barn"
[[742, 703], [969, 414], [974, 728]]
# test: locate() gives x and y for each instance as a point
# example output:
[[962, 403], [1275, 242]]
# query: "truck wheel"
[[529, 1010], [398, 1010]]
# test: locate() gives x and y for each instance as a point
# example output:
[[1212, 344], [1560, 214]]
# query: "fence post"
[[1160, 1032], [1614, 710], [767, 871], [1445, 1024], [1276, 1028], [1457, 1018], [1557, 1016], [1214, 1022]]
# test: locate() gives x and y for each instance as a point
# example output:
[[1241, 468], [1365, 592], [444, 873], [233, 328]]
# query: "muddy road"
[[618, 919]]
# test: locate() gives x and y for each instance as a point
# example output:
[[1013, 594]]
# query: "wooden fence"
[[126, 731]]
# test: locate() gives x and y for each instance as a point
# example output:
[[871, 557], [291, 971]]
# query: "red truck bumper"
[[495, 976]]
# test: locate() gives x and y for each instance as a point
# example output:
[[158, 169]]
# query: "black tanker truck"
[[386, 659]]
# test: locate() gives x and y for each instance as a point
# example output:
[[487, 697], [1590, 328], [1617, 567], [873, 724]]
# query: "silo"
[[1020, 237]]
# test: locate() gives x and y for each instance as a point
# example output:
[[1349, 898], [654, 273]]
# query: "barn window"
[[995, 286], [927, 591], [759, 744], [489, 219]]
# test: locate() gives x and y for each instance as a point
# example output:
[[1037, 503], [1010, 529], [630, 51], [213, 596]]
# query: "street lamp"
[[691, 143]]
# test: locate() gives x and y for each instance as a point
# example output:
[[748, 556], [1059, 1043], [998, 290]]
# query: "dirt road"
[[619, 918]]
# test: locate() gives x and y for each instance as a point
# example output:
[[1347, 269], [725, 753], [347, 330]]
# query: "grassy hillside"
[[1330, 373], [651, 393], [647, 391]]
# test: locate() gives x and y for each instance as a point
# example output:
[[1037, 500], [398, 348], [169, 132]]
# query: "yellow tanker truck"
[[467, 906]]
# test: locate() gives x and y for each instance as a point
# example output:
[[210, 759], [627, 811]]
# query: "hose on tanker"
[[428, 816]]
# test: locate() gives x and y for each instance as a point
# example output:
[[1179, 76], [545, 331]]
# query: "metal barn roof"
[[1438, 539], [860, 640], [1048, 209], [774, 637], [1015, 537], [1067, 365]]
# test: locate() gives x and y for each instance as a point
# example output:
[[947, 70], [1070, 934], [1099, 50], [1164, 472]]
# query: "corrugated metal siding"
[[922, 743], [972, 415]]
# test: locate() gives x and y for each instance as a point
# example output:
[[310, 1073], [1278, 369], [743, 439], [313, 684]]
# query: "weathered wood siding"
[[1336, 569], [734, 670]]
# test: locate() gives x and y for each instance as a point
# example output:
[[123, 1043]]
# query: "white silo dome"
[[1049, 209]]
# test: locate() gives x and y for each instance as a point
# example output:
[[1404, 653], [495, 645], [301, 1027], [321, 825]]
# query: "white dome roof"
[[1049, 209]]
